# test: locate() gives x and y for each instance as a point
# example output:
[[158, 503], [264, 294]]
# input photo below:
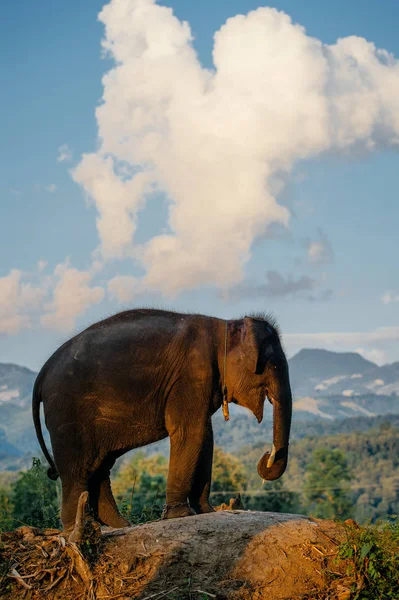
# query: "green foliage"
[[372, 458], [273, 497], [34, 498], [147, 500], [31, 499], [6, 509], [228, 476], [270, 496], [353, 473], [140, 487], [243, 430], [326, 489], [371, 556]]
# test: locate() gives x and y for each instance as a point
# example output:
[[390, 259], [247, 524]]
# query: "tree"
[[140, 486], [273, 498], [148, 500], [326, 489], [228, 476], [35, 498]]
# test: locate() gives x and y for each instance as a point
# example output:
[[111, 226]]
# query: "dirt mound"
[[237, 555]]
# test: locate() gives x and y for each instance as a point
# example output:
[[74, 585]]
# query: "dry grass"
[[43, 564]]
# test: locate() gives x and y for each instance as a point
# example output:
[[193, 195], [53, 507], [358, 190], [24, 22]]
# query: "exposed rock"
[[230, 555]]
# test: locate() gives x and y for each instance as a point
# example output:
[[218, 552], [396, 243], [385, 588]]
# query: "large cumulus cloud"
[[216, 142]]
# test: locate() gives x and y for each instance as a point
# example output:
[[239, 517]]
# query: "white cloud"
[[116, 200], [276, 285], [72, 295], [319, 251], [389, 297], [376, 355], [315, 251], [25, 296], [212, 141], [41, 265], [122, 288], [51, 188], [18, 299], [64, 153]]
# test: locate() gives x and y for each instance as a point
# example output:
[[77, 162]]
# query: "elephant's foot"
[[116, 521], [201, 509], [174, 511]]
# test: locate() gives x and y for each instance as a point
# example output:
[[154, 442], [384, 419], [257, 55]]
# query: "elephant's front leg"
[[186, 445], [201, 488]]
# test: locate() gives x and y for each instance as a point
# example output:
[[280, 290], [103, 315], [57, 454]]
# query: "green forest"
[[352, 474]]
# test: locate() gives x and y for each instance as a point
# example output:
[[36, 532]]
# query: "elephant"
[[143, 375]]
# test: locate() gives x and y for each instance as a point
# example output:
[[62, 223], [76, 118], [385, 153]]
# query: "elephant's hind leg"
[[71, 491], [102, 500], [108, 512]]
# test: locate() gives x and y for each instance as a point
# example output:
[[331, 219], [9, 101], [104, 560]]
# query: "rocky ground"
[[229, 554]]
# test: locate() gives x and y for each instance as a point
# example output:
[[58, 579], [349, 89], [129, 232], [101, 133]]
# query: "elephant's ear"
[[256, 343]]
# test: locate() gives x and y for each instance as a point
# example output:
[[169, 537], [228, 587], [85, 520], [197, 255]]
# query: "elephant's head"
[[257, 368]]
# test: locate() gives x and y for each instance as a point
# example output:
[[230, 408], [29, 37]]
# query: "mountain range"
[[334, 385], [326, 386]]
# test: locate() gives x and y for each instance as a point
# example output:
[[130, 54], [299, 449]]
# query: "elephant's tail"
[[52, 472]]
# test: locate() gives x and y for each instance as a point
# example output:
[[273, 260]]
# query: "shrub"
[[371, 555], [35, 499]]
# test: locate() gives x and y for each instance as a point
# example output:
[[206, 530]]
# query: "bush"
[[146, 499], [6, 520], [140, 487], [35, 498], [371, 555], [273, 498]]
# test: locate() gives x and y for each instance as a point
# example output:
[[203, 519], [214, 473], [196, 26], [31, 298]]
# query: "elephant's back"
[[119, 356]]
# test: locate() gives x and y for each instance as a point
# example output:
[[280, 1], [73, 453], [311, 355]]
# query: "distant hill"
[[334, 385], [327, 386], [6, 449], [16, 384], [324, 364], [17, 435]]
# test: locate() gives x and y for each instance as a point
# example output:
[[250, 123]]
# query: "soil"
[[227, 555]]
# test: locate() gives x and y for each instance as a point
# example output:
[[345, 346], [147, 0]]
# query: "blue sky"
[[329, 274]]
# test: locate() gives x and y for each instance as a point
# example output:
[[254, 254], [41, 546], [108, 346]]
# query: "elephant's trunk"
[[273, 464]]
